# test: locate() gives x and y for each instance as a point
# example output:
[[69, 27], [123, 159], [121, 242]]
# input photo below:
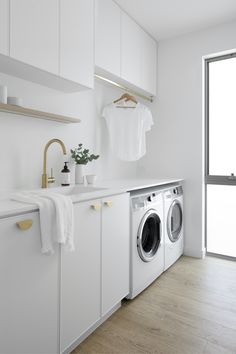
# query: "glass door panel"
[[221, 220], [175, 219], [222, 117]]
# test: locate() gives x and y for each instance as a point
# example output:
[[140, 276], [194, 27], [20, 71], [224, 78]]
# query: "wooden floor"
[[190, 309]]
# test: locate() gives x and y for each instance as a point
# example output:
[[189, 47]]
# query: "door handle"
[[25, 224], [96, 207], [108, 203]]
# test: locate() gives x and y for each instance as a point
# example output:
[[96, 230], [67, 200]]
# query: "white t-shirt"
[[127, 128]]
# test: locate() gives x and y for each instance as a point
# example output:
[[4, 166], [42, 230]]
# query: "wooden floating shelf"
[[8, 108]]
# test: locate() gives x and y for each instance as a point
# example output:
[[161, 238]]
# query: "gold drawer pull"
[[25, 224], [96, 207], [108, 203]]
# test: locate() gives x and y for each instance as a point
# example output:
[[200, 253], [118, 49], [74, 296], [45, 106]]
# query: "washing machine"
[[174, 234], [147, 240]]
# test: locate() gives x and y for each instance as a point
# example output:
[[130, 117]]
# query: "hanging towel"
[[46, 215], [56, 218], [64, 219]]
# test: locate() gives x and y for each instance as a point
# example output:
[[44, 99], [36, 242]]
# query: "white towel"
[[52, 207], [64, 219], [46, 215]]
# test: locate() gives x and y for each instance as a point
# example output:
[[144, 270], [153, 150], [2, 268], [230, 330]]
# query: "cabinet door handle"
[[96, 207], [108, 203], [25, 224]]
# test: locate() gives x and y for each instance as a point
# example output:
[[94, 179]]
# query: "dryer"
[[174, 234], [147, 240]]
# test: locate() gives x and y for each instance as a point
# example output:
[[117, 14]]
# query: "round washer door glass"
[[174, 221], [149, 236]]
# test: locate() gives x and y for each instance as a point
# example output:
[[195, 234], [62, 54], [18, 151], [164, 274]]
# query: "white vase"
[[79, 174]]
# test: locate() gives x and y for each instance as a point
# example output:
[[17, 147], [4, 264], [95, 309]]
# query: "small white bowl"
[[91, 179], [16, 101]]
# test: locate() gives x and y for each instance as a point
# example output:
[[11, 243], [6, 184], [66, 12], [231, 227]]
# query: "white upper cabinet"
[[124, 52], [148, 63], [107, 36], [77, 41], [35, 33], [4, 27], [51, 42], [131, 38], [139, 55]]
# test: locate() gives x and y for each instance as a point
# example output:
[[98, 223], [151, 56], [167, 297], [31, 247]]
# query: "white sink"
[[75, 190]]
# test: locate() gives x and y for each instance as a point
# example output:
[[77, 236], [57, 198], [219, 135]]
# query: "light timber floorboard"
[[189, 309]]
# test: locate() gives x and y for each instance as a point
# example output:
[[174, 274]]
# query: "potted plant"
[[81, 157]]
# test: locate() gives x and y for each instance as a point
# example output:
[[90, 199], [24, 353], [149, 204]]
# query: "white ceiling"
[[170, 18]]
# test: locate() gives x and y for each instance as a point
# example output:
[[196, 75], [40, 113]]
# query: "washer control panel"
[[178, 190], [173, 192], [151, 197], [143, 201]]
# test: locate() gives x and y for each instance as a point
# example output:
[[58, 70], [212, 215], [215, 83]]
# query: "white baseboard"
[[190, 252], [204, 253], [91, 329]]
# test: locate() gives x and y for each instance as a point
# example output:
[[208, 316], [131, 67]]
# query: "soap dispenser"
[[65, 175]]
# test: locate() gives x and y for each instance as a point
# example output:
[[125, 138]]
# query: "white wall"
[[175, 145], [22, 139]]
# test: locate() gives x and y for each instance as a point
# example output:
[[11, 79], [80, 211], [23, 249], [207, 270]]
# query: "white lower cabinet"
[[29, 296], [95, 278], [49, 304], [115, 250], [80, 276]]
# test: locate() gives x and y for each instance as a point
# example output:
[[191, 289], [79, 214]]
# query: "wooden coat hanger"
[[126, 97]]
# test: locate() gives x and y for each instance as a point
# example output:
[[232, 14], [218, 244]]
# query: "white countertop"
[[9, 207], [129, 185]]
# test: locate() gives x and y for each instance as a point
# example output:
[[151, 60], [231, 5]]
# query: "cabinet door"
[[131, 37], [77, 41], [29, 290], [107, 36], [148, 63], [35, 33], [4, 27], [80, 276], [115, 250]]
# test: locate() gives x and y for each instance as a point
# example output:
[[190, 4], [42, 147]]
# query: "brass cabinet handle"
[[24, 224], [96, 207], [108, 203]]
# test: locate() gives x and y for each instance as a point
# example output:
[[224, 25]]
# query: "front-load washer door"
[[149, 236], [175, 221]]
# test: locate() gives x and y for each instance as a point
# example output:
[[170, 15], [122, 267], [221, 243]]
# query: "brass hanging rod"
[[124, 88]]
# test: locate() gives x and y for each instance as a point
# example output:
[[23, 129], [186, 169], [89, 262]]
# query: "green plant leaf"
[[82, 156]]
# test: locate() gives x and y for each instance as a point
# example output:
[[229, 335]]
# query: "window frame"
[[213, 179]]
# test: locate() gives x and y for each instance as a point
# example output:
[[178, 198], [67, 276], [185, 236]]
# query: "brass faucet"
[[45, 178]]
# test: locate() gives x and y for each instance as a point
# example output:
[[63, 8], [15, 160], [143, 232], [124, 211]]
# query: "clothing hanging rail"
[[122, 87]]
